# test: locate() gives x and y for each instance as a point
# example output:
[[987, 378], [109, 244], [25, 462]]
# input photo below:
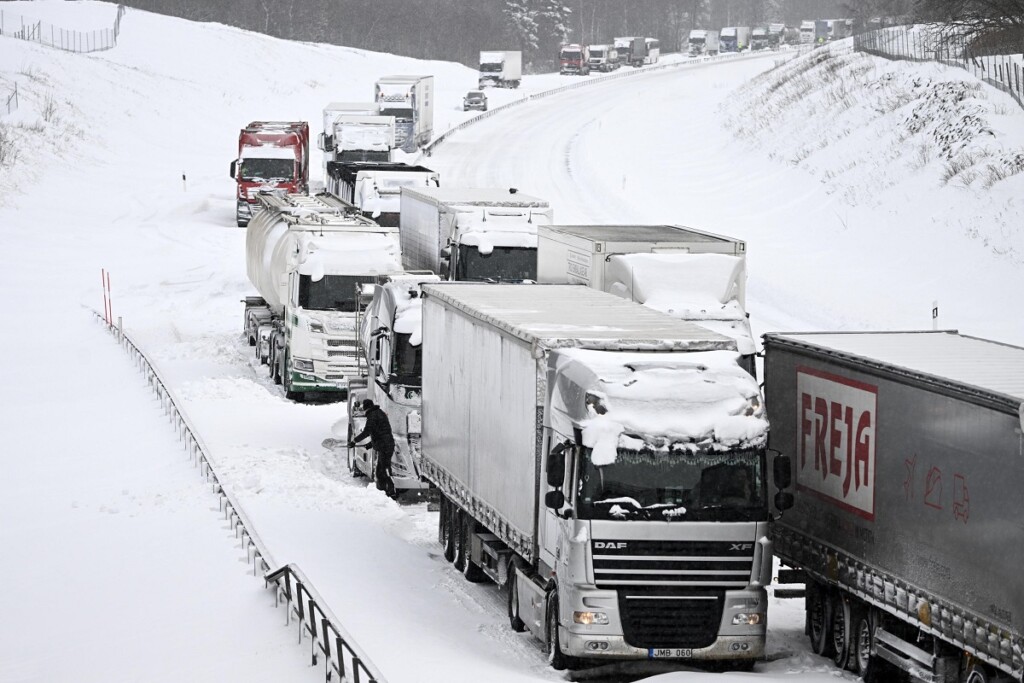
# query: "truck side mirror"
[[234, 167], [554, 500], [782, 468], [783, 500], [556, 467]]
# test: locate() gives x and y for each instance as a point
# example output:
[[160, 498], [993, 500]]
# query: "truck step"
[[789, 592], [787, 576]]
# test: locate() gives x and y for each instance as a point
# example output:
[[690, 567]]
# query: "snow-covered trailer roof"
[[561, 316], [477, 196], [943, 357]]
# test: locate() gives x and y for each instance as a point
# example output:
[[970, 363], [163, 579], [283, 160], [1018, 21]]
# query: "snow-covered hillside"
[[851, 237]]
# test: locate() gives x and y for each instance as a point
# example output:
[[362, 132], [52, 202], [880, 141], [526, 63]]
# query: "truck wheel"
[[511, 585], [444, 530], [863, 635], [471, 571], [842, 630], [818, 619], [977, 673], [557, 660]]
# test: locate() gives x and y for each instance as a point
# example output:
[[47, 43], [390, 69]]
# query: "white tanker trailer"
[[308, 257]]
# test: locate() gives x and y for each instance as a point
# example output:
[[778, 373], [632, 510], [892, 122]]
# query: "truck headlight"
[[590, 617], [315, 326], [302, 365], [748, 619]]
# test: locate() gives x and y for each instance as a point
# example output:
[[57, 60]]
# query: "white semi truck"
[[376, 188], [472, 233], [500, 69], [326, 139], [605, 464], [410, 99], [390, 341], [689, 274], [307, 257], [703, 42]]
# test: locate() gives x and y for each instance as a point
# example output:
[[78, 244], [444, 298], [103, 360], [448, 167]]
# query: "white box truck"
[[605, 464], [500, 68], [689, 274], [307, 257], [410, 99], [472, 233]]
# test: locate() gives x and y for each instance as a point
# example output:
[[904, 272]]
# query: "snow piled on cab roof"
[[690, 286], [677, 402]]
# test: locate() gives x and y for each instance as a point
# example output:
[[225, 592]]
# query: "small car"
[[474, 99]]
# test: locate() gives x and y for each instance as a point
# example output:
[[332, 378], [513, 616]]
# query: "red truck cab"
[[271, 155], [574, 59]]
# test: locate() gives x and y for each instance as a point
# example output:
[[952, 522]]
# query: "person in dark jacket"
[[378, 428]]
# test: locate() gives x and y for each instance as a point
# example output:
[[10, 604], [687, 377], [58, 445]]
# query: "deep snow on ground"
[[98, 185]]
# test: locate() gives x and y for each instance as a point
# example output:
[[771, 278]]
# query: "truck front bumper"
[[731, 637]]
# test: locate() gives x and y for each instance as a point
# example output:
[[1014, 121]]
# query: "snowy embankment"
[[98, 183]]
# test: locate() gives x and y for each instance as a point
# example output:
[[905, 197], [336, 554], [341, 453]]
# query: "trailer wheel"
[[557, 660], [472, 572], [863, 635], [818, 618], [512, 585], [842, 631]]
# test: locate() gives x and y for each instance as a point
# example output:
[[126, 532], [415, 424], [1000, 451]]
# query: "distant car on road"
[[474, 99]]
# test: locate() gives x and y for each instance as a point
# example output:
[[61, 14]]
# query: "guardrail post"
[[355, 668]]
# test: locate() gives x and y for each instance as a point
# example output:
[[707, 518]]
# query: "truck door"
[[555, 528]]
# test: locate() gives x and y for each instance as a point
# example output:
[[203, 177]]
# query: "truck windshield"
[[255, 169], [492, 68], [403, 114], [654, 485], [596, 54], [407, 361], [503, 264], [696, 41], [331, 292]]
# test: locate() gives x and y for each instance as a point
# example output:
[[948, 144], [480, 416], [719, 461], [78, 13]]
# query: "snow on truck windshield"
[[255, 169], [647, 484]]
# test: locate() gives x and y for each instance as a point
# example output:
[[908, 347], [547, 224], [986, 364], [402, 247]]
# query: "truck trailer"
[[376, 188], [272, 155], [307, 258], [906, 528], [472, 233], [390, 344], [500, 68], [604, 463], [410, 99], [689, 274]]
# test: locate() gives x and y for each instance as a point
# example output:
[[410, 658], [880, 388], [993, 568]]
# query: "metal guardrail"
[[341, 654], [694, 62]]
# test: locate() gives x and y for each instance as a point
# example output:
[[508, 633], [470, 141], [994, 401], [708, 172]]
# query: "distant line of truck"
[[584, 401]]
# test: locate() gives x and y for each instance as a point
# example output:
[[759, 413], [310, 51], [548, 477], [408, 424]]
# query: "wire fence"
[[15, 26], [11, 103], [933, 44], [342, 656]]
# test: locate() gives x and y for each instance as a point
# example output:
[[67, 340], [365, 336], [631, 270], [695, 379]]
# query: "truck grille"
[[342, 342], [698, 565], [655, 619], [334, 353]]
